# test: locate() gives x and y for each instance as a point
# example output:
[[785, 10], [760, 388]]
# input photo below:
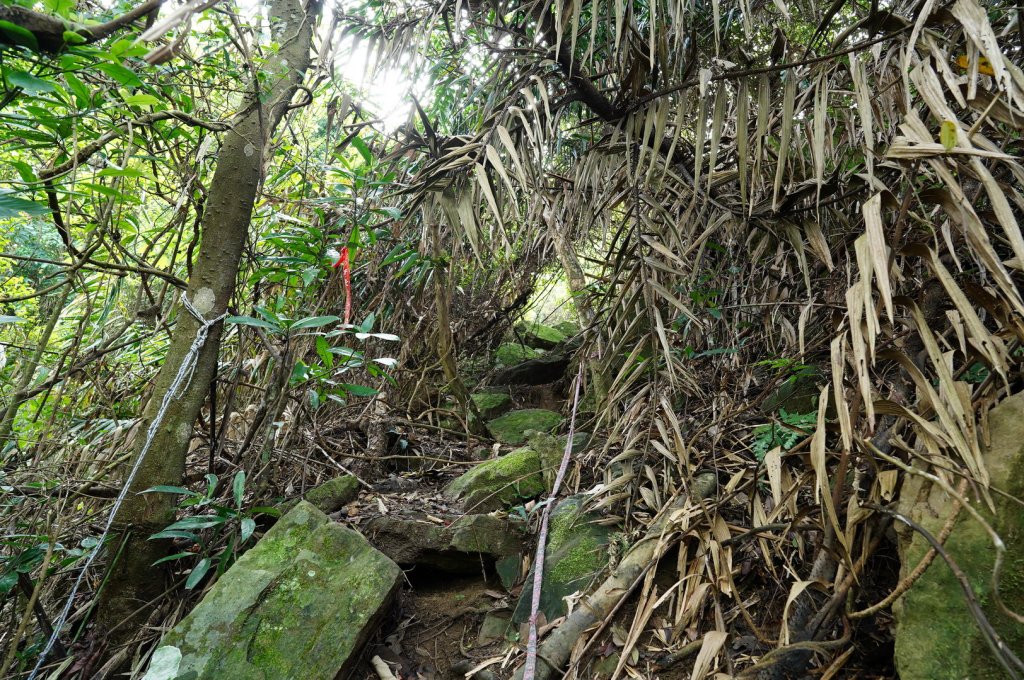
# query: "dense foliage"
[[740, 196]]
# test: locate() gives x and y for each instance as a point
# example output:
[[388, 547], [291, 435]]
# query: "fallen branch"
[[555, 650]]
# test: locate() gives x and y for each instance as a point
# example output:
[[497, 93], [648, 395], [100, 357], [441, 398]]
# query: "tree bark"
[[132, 581]]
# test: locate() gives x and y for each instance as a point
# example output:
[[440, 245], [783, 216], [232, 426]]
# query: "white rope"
[[181, 381]]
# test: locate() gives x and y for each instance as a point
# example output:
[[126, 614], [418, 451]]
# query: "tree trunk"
[[132, 581]]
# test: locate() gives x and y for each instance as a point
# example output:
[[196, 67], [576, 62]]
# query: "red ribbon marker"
[[346, 272]]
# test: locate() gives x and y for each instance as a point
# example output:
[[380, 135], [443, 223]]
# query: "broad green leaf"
[[174, 533], [170, 489], [141, 100], [200, 522], [72, 38], [248, 527], [359, 390], [314, 322], [30, 83], [18, 35], [175, 556], [250, 321], [12, 206], [363, 149], [198, 573], [8, 581], [59, 7], [122, 75]]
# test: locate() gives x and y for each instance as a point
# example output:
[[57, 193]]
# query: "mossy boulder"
[[492, 404], [334, 494], [500, 482], [329, 497], [567, 328], [577, 551], [936, 636], [510, 354], [456, 548], [299, 604], [512, 427], [539, 336]]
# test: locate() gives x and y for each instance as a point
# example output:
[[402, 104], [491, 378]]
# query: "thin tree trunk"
[[133, 582]]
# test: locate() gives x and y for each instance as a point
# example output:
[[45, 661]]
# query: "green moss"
[[512, 427], [510, 354], [567, 328], [491, 404], [332, 495], [299, 604], [936, 637], [500, 482], [540, 336], [576, 553]]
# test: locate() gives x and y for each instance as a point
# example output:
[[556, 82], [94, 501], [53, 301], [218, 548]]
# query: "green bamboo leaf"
[[198, 573]]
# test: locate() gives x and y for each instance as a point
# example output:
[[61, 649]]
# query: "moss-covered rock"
[[510, 354], [567, 328], [492, 404], [576, 552], [499, 483], [335, 494], [512, 427], [300, 604], [539, 336], [936, 636]]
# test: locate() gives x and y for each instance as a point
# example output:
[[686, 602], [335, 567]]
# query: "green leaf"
[[314, 322], [30, 83], [12, 206], [248, 526], [141, 100], [18, 35], [82, 94], [8, 581], [72, 38], [25, 171], [59, 7], [170, 489], [174, 533], [324, 351], [238, 487], [122, 75], [10, 319], [198, 573], [359, 390], [947, 134], [200, 522], [250, 321], [363, 149], [176, 556]]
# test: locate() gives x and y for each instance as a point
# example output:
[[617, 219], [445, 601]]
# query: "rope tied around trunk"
[[181, 381]]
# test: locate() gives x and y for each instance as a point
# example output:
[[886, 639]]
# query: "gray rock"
[[300, 604], [456, 548]]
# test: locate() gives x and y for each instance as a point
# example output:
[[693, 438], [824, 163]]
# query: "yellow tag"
[[984, 65]]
